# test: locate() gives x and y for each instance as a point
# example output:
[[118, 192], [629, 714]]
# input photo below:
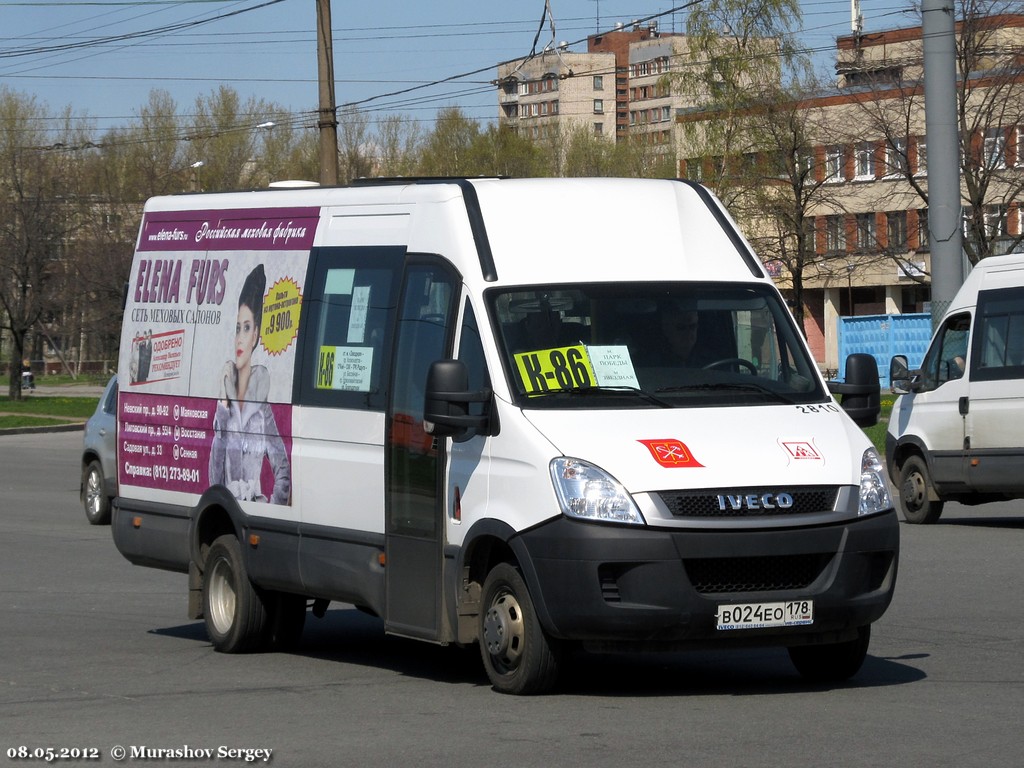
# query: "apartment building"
[[616, 89], [867, 217]]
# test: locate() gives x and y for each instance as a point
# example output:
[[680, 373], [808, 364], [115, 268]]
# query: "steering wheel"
[[725, 361]]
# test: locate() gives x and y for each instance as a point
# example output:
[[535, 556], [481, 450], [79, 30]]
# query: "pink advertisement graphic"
[[208, 351], [174, 444]]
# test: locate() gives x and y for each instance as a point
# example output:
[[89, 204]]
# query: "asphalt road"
[[97, 654]]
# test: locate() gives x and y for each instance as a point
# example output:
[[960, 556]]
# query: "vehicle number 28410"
[[758, 615]]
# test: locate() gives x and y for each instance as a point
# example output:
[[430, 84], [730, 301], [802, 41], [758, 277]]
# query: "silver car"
[[99, 458]]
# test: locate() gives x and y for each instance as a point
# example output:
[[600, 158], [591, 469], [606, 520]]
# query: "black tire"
[[834, 662], [916, 491], [234, 610], [94, 495], [519, 657], [285, 621]]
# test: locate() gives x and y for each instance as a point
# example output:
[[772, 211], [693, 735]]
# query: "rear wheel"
[[236, 617], [834, 662], [94, 495], [916, 492], [517, 654]]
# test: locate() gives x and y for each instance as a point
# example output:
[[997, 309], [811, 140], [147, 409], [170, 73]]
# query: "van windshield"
[[651, 345]]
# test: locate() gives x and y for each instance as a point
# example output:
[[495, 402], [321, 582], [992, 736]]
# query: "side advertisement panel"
[[208, 350]]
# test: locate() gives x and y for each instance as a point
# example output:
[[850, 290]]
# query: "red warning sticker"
[[671, 453], [801, 450]]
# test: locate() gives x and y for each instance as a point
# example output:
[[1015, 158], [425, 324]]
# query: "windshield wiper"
[[741, 386], [605, 390]]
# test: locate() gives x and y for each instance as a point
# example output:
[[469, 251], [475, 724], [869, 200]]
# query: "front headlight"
[[874, 489], [586, 492]]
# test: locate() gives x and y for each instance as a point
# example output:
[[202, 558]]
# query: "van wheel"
[[94, 495], [236, 618], [518, 656], [916, 492], [834, 662]]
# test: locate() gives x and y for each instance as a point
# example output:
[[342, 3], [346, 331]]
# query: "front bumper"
[[596, 582]]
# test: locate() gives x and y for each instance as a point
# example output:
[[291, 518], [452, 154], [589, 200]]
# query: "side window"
[[348, 318], [471, 352], [998, 350], [946, 358]]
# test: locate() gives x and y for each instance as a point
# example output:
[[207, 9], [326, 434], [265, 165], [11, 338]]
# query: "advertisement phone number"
[[49, 754]]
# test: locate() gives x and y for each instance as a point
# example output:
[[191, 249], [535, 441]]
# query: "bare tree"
[[989, 109], [38, 184]]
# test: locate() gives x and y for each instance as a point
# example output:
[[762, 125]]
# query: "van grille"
[[703, 503], [755, 574]]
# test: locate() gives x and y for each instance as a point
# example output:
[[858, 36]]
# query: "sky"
[[101, 59]]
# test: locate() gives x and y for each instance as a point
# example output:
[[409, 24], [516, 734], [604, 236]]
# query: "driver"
[[679, 327]]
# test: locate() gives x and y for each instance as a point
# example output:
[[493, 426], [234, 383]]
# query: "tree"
[[783, 190], [737, 50], [500, 151], [398, 143], [446, 151], [39, 181], [990, 106], [224, 136]]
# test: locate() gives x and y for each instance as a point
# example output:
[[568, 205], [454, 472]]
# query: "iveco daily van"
[[527, 414], [954, 433]]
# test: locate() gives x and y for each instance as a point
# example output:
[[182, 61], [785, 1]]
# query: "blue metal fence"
[[883, 336]]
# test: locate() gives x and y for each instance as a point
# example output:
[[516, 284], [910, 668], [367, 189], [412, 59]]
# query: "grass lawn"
[[37, 411]]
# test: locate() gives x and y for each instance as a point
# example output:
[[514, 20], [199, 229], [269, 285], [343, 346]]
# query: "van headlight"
[[874, 488], [586, 492]]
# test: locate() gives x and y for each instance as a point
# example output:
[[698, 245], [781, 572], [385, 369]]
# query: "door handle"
[[964, 405]]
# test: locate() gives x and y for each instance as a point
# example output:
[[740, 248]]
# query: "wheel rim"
[[222, 597], [914, 492], [505, 632], [93, 493]]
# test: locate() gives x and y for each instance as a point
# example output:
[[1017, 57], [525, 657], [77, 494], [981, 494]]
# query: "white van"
[[954, 433], [527, 414]]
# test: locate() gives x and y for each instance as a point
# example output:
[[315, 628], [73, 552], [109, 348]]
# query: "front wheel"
[[916, 492], [834, 662], [518, 656], [236, 618], [94, 495]]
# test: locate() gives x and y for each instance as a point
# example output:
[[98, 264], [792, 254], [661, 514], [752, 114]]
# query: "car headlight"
[[586, 492], [874, 488]]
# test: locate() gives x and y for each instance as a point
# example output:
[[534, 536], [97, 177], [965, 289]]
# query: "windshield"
[[651, 345]]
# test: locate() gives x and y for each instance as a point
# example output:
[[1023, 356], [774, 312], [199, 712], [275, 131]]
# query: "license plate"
[[760, 615]]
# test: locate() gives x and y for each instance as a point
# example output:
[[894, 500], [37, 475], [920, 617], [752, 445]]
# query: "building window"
[[995, 148], [922, 156], [864, 161], [922, 229], [598, 106], [598, 82], [865, 231], [835, 234], [896, 230], [996, 217], [598, 129], [834, 163], [896, 160]]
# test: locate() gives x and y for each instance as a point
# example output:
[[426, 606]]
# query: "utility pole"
[[328, 112], [945, 234]]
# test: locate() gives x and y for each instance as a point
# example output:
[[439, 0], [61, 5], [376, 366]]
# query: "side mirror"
[[446, 405], [899, 375], [861, 392]]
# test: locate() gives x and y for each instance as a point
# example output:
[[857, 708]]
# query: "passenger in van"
[[244, 429]]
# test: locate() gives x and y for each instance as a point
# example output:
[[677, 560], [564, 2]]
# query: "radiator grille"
[[755, 574], [703, 503]]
